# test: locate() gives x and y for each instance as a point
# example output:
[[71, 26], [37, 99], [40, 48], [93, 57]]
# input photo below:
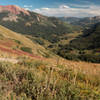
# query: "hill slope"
[[17, 44], [90, 38], [85, 47]]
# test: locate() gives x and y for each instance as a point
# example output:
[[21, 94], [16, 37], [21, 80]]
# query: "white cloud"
[[45, 8], [27, 7], [75, 11], [63, 7]]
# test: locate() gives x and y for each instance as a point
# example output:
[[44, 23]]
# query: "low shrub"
[[26, 49], [18, 42]]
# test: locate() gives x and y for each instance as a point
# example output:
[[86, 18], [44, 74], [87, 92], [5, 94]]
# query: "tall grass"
[[36, 80]]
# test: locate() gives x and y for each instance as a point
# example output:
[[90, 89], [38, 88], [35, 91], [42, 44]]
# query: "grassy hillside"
[[86, 47], [16, 44], [90, 38]]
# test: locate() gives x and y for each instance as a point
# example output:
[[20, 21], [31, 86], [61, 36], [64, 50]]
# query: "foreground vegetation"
[[37, 80]]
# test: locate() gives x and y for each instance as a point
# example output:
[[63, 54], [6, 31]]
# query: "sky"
[[59, 8]]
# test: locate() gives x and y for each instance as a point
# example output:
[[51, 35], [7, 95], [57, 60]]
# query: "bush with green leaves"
[[26, 49], [18, 42]]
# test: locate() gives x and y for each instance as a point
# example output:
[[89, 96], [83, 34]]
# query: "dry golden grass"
[[10, 35], [84, 67], [52, 76]]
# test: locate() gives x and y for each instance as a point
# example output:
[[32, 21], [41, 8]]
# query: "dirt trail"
[[19, 52]]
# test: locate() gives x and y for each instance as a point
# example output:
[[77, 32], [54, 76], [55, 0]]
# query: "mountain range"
[[27, 22], [64, 36]]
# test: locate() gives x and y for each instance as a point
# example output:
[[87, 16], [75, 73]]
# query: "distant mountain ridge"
[[69, 19], [86, 21]]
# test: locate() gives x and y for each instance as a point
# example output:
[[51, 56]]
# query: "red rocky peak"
[[13, 9]]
